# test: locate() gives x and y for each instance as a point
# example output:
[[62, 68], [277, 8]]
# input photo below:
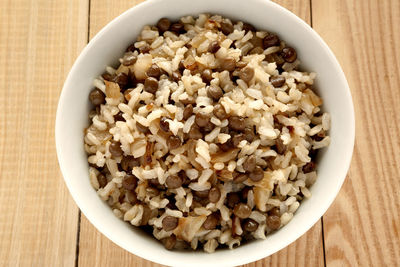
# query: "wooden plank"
[[300, 7], [97, 250], [306, 251], [38, 42], [362, 228], [103, 11]]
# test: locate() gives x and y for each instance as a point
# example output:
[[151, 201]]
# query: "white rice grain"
[[205, 175]]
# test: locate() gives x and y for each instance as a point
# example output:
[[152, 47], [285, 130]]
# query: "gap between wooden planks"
[[97, 250]]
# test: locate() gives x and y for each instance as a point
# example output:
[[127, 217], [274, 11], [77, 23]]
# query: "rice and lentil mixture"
[[206, 133]]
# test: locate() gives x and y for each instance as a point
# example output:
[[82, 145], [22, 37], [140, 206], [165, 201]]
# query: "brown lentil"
[[97, 97], [187, 112], [228, 145], [206, 76], [177, 28], [107, 76], [211, 222], [237, 138], [163, 25], [219, 112], [131, 197], [273, 222], [145, 49], [131, 48], [271, 40], [277, 81], [201, 119], [256, 50], [250, 164], [232, 199], [208, 128], [141, 128], [242, 211], [164, 125], [151, 85], [154, 71], [169, 223], [249, 134], [240, 178], [173, 181], [248, 27], [195, 133], [257, 174], [152, 192], [188, 101], [214, 194], [146, 215], [128, 59], [169, 242], [275, 211], [228, 64], [213, 47], [250, 225], [309, 167], [122, 79], [129, 182], [181, 65], [119, 117], [173, 142], [257, 42], [226, 28], [289, 54], [102, 180], [127, 95], [154, 182], [280, 147], [128, 162], [201, 194], [246, 74], [185, 179], [236, 123], [245, 193], [115, 149], [215, 92], [225, 130], [176, 76]]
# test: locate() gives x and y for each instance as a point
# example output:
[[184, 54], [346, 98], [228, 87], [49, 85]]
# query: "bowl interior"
[[105, 49]]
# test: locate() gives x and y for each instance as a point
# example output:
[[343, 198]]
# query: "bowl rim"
[[238, 261]]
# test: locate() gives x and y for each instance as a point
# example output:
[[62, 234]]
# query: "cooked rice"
[[284, 119]]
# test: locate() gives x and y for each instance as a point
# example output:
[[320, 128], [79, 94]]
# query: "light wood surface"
[[41, 226], [39, 41], [363, 225]]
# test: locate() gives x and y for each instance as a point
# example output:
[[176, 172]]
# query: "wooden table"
[[40, 225]]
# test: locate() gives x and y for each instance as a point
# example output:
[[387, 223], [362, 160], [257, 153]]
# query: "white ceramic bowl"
[[105, 49]]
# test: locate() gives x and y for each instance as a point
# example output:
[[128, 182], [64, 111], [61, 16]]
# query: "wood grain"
[[38, 42], [97, 250], [103, 11], [362, 228]]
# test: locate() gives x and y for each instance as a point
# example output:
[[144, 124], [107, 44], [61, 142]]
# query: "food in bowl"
[[206, 133]]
